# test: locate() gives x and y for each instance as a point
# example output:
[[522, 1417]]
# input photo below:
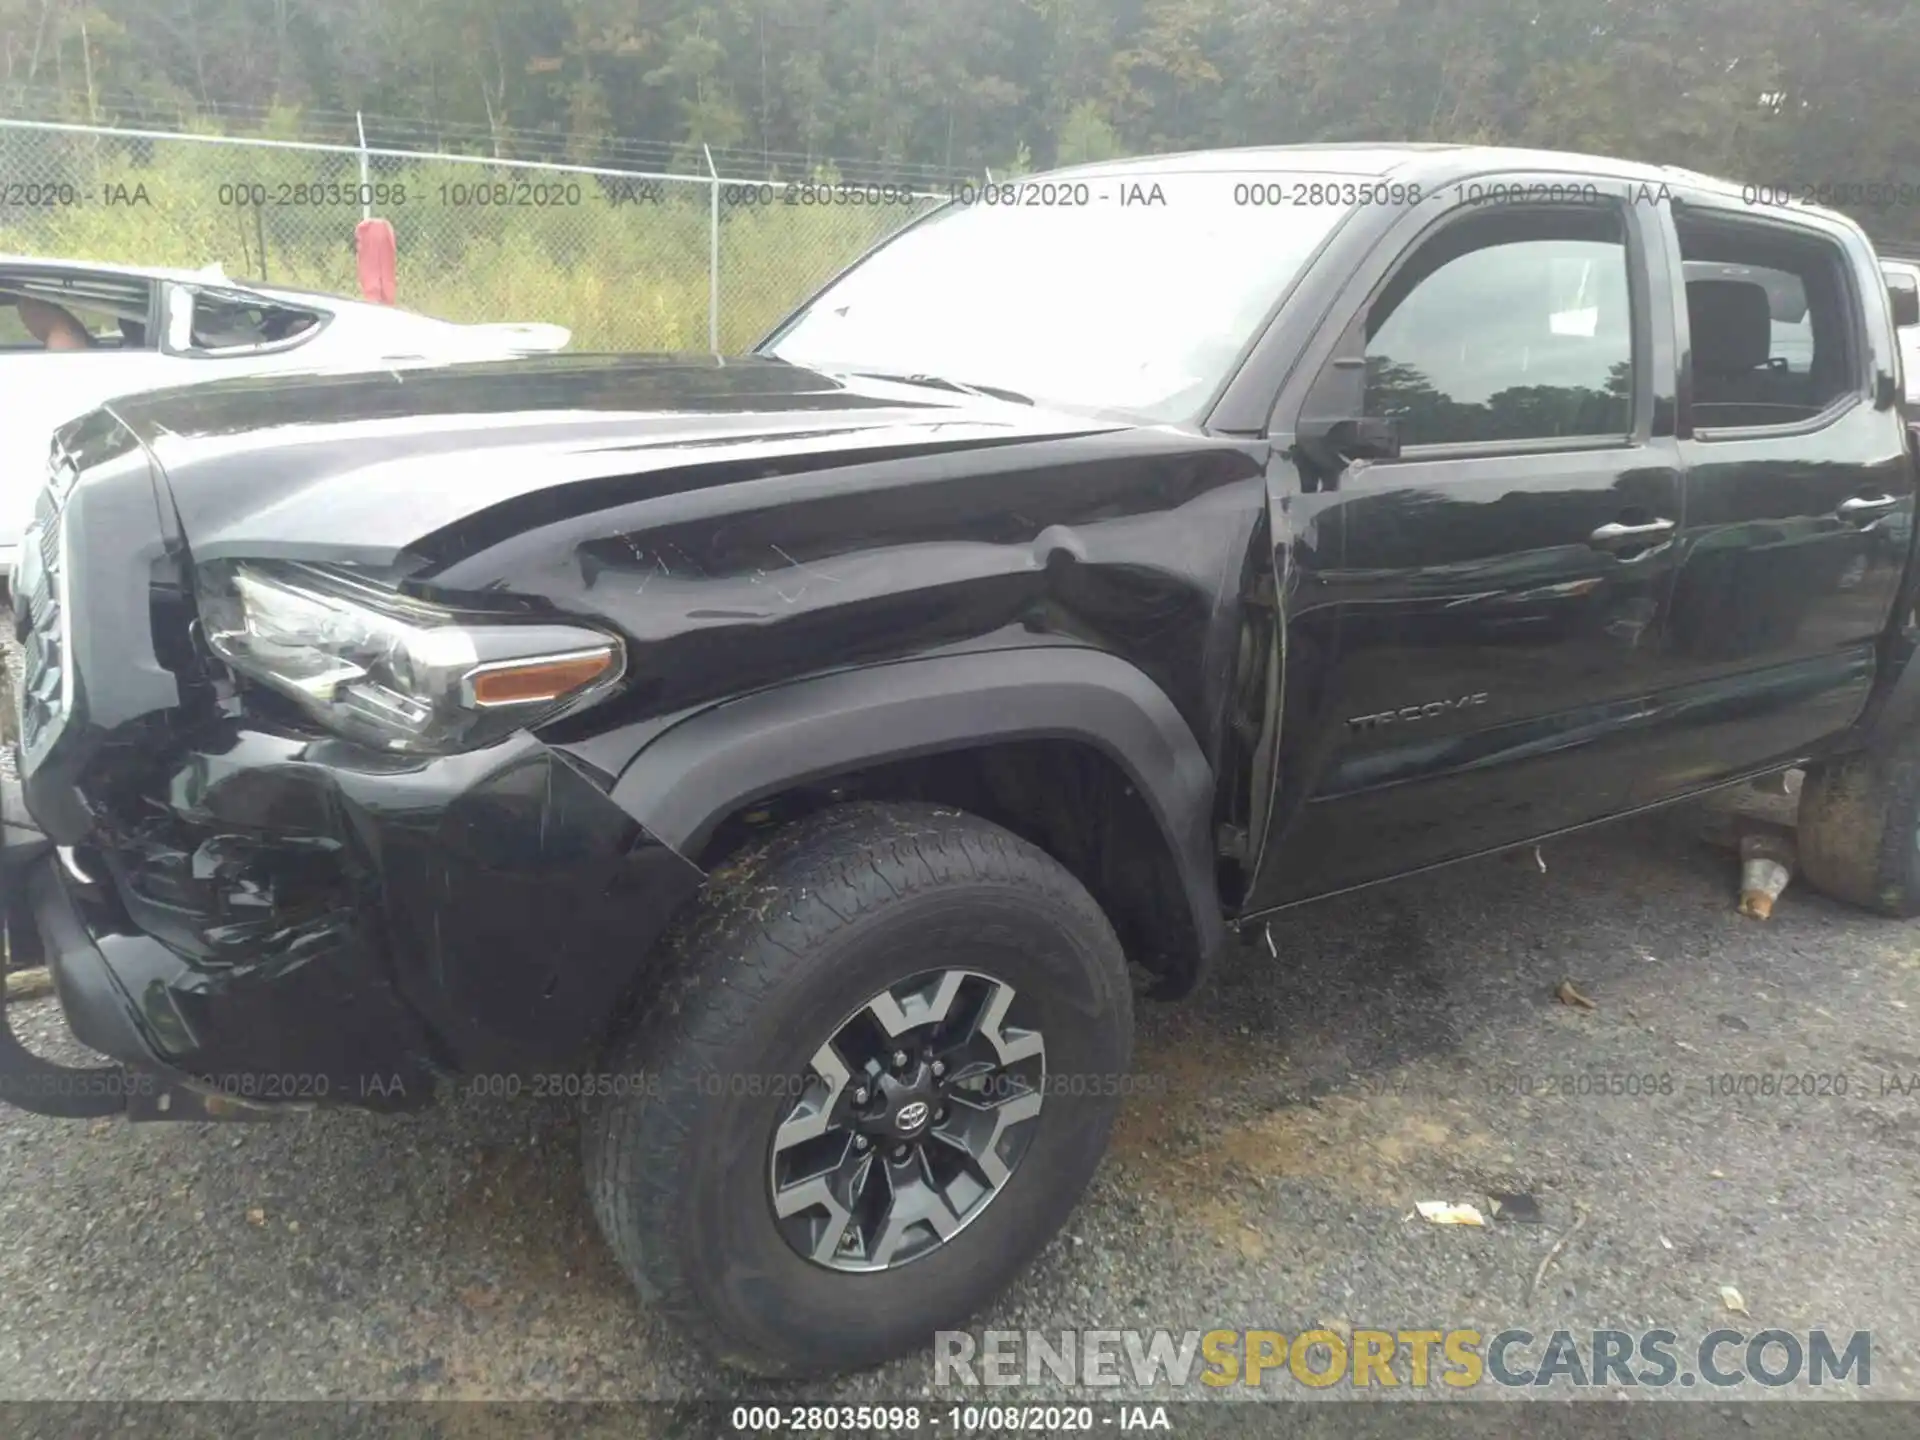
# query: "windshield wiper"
[[941, 382]]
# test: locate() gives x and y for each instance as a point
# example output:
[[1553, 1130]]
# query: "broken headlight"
[[394, 672]]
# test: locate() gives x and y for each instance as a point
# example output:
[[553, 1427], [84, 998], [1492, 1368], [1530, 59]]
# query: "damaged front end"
[[285, 836]]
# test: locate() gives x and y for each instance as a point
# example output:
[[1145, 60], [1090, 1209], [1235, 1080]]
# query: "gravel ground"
[[1309, 1100]]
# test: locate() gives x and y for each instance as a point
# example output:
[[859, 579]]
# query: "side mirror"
[[1335, 444], [1334, 429], [1371, 437], [1905, 294]]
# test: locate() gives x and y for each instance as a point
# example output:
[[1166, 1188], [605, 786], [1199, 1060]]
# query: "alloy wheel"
[[910, 1119]]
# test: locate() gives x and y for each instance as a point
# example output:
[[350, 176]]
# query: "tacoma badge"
[[1408, 713]]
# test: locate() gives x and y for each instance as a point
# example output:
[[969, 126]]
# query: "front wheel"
[[883, 1067]]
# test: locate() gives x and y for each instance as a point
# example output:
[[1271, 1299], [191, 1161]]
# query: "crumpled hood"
[[358, 467]]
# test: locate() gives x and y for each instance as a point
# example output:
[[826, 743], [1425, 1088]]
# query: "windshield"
[[1137, 293]]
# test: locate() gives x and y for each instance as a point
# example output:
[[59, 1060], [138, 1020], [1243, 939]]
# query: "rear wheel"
[[882, 1070], [1860, 828]]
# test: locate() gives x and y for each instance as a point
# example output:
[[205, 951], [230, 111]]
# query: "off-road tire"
[[1860, 828], [786, 940]]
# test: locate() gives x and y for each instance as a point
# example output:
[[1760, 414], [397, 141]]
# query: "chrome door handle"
[[1865, 505], [1615, 533]]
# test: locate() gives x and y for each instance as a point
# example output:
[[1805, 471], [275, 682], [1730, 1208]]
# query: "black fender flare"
[[711, 764]]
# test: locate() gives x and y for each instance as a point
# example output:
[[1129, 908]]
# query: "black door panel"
[[1487, 608], [1485, 647], [1798, 520], [1513, 632]]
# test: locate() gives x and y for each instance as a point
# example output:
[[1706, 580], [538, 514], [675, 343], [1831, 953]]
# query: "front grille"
[[10, 722], [46, 514], [44, 681]]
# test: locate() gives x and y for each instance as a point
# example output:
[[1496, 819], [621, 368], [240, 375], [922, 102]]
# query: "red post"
[[375, 250]]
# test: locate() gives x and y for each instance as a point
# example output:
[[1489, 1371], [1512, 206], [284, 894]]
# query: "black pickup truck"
[[805, 758]]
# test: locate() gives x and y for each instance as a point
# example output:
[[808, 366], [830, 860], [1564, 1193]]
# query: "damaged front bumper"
[[40, 924], [276, 920]]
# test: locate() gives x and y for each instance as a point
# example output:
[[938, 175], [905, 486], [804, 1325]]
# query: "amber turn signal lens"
[[518, 681]]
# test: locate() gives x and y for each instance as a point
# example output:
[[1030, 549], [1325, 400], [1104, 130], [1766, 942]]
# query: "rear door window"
[[1769, 321], [1790, 317]]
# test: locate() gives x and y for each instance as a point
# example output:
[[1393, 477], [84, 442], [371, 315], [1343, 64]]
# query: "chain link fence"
[[626, 259]]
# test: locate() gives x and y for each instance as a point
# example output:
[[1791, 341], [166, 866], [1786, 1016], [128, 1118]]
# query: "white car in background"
[[1903, 285], [146, 328]]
